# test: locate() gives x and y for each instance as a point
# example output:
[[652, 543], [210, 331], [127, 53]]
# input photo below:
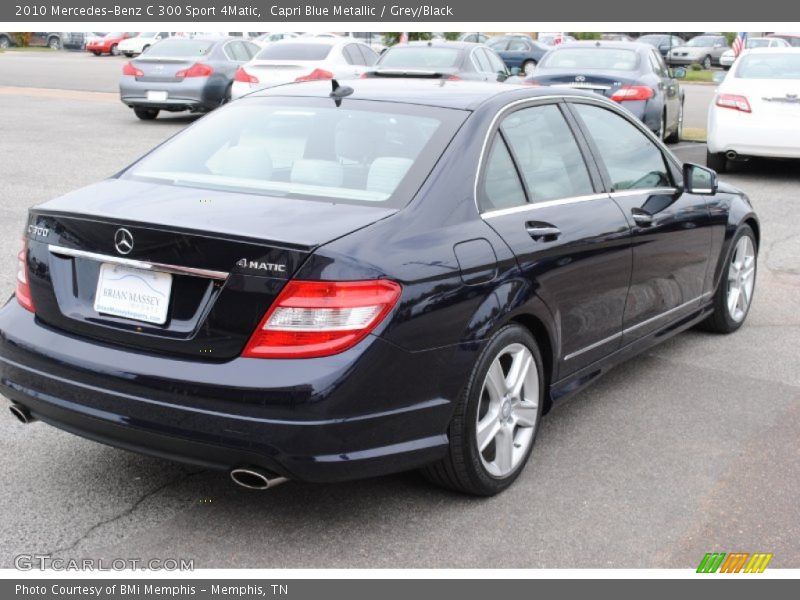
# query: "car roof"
[[322, 41], [617, 45], [441, 44], [778, 50], [462, 95]]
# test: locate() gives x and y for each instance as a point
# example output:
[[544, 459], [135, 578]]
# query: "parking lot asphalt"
[[687, 449]]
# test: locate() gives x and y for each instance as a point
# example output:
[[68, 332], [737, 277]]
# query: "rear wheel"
[[146, 114], [707, 62], [496, 418], [528, 67], [716, 161], [676, 135], [735, 291]]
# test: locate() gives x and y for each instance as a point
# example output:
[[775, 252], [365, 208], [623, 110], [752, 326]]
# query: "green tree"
[[585, 35], [730, 36]]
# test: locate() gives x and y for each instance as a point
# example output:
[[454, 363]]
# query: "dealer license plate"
[[133, 293]]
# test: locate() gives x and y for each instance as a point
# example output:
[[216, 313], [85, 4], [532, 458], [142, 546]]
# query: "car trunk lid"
[[228, 255]]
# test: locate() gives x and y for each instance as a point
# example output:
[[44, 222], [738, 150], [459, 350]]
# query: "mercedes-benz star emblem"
[[123, 241]]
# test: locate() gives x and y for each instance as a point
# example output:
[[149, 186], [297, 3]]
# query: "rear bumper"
[[372, 410], [748, 136], [191, 94]]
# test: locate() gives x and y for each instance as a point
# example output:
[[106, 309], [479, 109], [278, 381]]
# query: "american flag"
[[739, 43]]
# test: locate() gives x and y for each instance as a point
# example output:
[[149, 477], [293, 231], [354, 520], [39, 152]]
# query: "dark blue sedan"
[[519, 51], [323, 283], [633, 74]]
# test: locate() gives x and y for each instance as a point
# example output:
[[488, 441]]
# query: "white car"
[[303, 59], [136, 45], [728, 57], [756, 109]]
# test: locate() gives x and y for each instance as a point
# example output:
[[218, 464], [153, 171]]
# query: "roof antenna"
[[339, 91]]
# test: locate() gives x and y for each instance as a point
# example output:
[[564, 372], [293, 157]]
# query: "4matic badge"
[[246, 263]]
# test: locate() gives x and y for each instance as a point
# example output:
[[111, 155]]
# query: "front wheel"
[[146, 114], [734, 293], [496, 419], [707, 63], [528, 67]]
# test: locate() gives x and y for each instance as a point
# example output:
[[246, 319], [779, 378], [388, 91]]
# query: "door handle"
[[542, 231], [641, 217]]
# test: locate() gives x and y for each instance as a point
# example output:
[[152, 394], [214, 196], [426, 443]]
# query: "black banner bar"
[[438, 11]]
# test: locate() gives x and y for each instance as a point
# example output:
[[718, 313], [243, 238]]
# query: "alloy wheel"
[[508, 410], [741, 279]]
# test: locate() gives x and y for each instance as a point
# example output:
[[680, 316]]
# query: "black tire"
[[54, 43], [128, 54], [96, 53], [720, 321], [707, 62], [146, 114], [675, 136], [226, 95], [662, 127], [716, 161], [528, 65], [462, 469]]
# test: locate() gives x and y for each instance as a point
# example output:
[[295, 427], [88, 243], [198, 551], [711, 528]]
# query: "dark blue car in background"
[[519, 51], [633, 74], [324, 283]]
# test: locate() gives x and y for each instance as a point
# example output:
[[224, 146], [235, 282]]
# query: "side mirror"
[[679, 73], [699, 180], [515, 71]]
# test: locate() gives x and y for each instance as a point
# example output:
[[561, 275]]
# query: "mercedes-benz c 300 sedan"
[[323, 283]]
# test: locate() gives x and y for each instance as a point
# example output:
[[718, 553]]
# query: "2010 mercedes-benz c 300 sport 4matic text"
[[323, 283]]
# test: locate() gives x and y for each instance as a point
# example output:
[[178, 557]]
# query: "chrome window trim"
[[534, 101], [626, 330], [138, 264], [499, 212], [638, 191]]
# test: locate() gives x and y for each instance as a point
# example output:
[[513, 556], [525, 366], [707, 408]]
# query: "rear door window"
[[547, 154]]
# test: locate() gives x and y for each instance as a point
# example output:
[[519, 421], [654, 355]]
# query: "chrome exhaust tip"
[[254, 478], [22, 414]]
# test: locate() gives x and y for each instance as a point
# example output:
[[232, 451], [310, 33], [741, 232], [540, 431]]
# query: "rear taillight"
[[23, 292], [316, 74], [196, 70], [734, 102], [243, 76], [628, 93], [129, 69], [319, 318]]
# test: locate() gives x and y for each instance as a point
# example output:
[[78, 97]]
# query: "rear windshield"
[[360, 152], [768, 66], [295, 51], [174, 48], [420, 58], [613, 59]]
